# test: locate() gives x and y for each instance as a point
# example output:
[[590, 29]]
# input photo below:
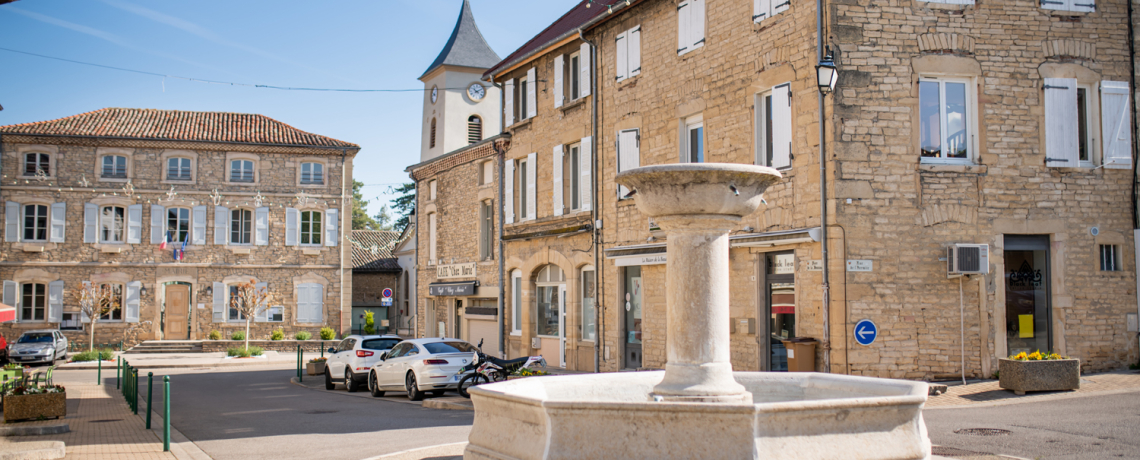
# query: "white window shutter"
[[531, 189], [12, 295], [761, 9], [683, 13], [82, 315], [261, 226], [584, 65], [134, 224], [198, 226], [131, 313], [531, 101], [758, 130], [622, 45], [559, 91], [557, 166], [221, 224], [629, 155], [585, 182], [302, 314], [509, 192], [262, 311], [332, 227], [432, 221], [55, 301], [90, 223], [12, 223], [318, 295], [635, 51], [1115, 119], [780, 6], [292, 226], [781, 126], [219, 303], [509, 102], [697, 22], [1061, 139], [1083, 6], [58, 222], [157, 229]]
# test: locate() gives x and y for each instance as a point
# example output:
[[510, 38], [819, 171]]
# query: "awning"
[[453, 289], [7, 313]]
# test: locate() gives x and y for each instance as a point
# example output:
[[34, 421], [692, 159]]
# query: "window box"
[[25, 407], [1053, 375]]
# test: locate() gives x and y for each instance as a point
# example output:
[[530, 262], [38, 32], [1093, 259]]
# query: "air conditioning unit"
[[535, 342], [967, 259]]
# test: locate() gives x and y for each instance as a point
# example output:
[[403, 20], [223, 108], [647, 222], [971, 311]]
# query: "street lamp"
[[826, 74]]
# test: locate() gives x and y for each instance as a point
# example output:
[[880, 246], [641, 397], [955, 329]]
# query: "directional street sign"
[[865, 332]]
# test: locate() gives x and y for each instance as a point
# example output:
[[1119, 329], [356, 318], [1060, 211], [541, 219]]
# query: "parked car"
[[43, 346], [419, 365], [356, 353]]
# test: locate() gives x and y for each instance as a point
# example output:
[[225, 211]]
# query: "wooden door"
[[176, 324]]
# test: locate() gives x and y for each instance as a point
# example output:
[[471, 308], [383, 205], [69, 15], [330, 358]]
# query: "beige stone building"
[[91, 198], [375, 272]]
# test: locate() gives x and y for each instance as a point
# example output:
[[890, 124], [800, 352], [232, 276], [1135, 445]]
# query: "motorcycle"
[[490, 369]]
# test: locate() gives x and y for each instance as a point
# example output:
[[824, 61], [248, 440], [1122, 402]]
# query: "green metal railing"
[[130, 385], [130, 389]]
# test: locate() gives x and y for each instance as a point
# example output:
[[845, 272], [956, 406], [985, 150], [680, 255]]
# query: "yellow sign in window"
[[1026, 326]]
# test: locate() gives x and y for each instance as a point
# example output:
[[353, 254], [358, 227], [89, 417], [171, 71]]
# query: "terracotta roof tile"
[[372, 250], [580, 14]]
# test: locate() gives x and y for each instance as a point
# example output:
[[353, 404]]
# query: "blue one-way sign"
[[865, 332]]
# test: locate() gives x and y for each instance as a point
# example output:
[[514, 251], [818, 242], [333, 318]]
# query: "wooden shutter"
[[683, 13], [58, 222], [221, 224], [11, 223], [157, 230], [431, 238], [12, 295], [559, 87], [313, 303], [90, 223], [509, 192], [635, 51], [219, 302], [782, 126], [584, 70], [292, 226], [557, 173], [261, 227], [697, 22], [83, 315], [198, 226], [1081, 6], [629, 155], [332, 227], [1116, 130], [622, 45], [131, 306], [134, 224], [262, 312], [531, 176], [509, 102], [55, 302], [780, 6], [1061, 138], [585, 182], [761, 9], [531, 100]]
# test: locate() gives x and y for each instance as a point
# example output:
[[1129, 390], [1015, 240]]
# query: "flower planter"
[[315, 368], [23, 407], [1053, 375]]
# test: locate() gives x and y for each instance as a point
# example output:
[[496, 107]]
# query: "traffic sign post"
[[387, 300], [865, 332], [387, 292]]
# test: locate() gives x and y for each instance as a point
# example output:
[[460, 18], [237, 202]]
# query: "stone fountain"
[[698, 407]]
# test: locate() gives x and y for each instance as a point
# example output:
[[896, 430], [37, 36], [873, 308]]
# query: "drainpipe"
[[502, 263], [823, 199], [596, 206], [340, 226], [1135, 130]]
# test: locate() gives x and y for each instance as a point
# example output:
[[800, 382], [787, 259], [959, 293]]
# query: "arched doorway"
[[550, 310]]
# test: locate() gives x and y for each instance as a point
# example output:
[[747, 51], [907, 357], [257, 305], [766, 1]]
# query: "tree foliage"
[[96, 300], [251, 301], [360, 218], [405, 204]]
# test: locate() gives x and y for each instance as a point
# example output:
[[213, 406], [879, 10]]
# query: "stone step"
[[167, 346]]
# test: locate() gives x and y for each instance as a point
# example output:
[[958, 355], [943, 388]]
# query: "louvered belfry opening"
[[432, 141], [474, 129]]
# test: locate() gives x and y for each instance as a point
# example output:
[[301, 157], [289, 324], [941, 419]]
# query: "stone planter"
[[1055, 375], [315, 368], [25, 407]]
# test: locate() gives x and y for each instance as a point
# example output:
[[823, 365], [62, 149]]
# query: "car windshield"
[[380, 344], [42, 337], [449, 347]]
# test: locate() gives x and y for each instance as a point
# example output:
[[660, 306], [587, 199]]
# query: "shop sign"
[[784, 264], [652, 259], [453, 271], [452, 290]]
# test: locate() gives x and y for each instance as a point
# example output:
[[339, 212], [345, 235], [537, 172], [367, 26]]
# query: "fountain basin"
[[793, 416]]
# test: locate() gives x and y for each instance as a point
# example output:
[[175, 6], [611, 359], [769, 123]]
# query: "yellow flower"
[[1019, 357]]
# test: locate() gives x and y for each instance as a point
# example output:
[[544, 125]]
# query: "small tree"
[[250, 301], [96, 300], [369, 323]]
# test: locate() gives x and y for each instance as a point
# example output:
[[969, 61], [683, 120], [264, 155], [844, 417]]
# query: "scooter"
[[491, 369]]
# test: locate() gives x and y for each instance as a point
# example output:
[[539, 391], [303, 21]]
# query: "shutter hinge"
[[1056, 160], [1054, 87], [758, 16], [682, 49], [699, 42], [783, 4], [639, 139], [1086, 5], [1048, 2]]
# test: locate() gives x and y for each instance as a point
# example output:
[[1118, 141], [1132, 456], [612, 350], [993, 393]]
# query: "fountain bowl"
[[725, 189], [793, 416]]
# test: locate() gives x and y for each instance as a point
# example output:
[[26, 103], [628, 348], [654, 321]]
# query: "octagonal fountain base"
[[793, 416]]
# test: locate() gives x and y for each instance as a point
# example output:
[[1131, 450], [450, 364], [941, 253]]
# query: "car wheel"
[[374, 386], [350, 381], [413, 388], [329, 385]]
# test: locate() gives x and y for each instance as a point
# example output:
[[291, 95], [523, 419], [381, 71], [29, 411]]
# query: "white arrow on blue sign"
[[865, 332]]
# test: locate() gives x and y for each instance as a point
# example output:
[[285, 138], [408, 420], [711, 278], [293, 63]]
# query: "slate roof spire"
[[466, 47]]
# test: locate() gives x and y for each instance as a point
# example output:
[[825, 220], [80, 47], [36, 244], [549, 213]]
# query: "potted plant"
[[316, 366], [34, 402], [526, 372], [1039, 371], [11, 371]]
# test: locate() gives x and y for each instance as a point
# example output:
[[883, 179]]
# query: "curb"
[[449, 404], [178, 366], [34, 430], [36, 450], [180, 446], [433, 452]]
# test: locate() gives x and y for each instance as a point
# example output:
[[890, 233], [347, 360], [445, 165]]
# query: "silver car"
[[421, 365], [44, 346]]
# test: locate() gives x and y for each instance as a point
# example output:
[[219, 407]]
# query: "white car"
[[349, 361], [43, 346], [419, 365]]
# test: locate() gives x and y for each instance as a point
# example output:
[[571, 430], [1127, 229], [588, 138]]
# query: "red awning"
[[783, 309], [7, 313]]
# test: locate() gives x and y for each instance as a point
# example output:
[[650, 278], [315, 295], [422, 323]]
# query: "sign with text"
[[783, 264], [453, 271], [651, 259], [452, 290], [860, 265], [815, 265]]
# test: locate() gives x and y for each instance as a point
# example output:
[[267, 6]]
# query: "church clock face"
[[434, 94], [476, 92]]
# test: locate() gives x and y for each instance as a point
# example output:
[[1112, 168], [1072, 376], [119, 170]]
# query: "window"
[[34, 162], [379, 344], [587, 326], [241, 221], [548, 301], [115, 167], [1068, 123], [115, 302], [628, 54], [629, 155], [516, 302], [486, 230], [524, 88], [33, 305], [1084, 146], [311, 227], [178, 169], [312, 174], [572, 177], [474, 129], [522, 188], [1078, 6], [431, 140], [70, 322], [177, 224], [310, 303], [235, 296], [945, 115], [575, 76], [1109, 258], [276, 314], [487, 173], [431, 190], [241, 171], [111, 223], [774, 127], [764, 9], [35, 222], [431, 238], [693, 143], [690, 25]]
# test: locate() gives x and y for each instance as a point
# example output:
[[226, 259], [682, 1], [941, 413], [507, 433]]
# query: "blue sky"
[[373, 44]]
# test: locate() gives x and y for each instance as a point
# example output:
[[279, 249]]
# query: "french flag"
[[165, 238]]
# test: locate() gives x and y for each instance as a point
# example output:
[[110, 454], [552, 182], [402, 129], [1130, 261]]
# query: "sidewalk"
[[988, 392], [195, 360]]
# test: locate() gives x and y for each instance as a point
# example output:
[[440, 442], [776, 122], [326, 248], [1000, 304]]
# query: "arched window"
[[431, 143], [550, 284], [474, 129]]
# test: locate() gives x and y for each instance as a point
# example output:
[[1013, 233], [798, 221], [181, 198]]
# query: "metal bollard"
[[99, 375], [135, 390], [118, 371], [166, 413], [300, 359], [149, 390]]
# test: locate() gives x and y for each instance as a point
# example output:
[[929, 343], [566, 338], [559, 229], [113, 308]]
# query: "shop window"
[[587, 324]]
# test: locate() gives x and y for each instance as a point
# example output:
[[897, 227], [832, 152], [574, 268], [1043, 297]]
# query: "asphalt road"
[[1091, 427]]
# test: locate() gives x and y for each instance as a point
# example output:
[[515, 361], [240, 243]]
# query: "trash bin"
[[801, 354]]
